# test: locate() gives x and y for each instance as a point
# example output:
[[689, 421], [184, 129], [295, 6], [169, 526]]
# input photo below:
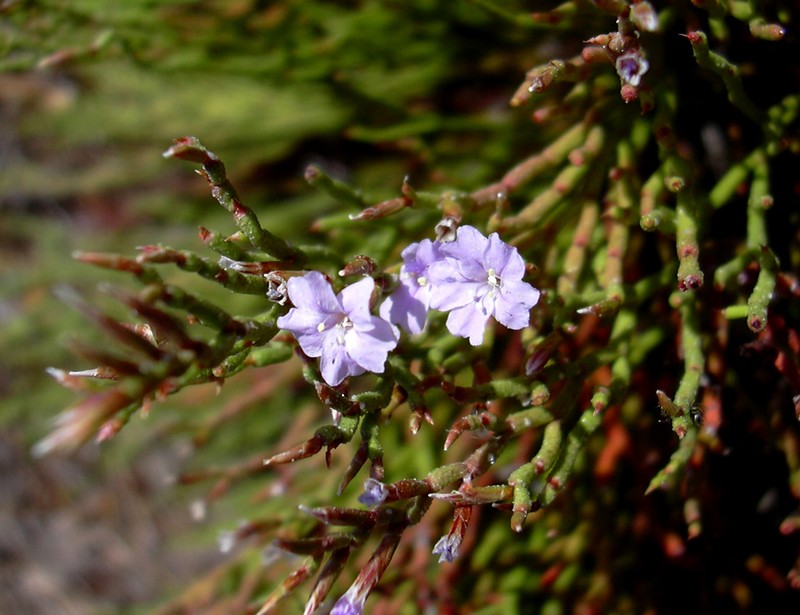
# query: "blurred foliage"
[[619, 205]]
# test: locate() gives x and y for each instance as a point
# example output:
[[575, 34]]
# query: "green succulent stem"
[[192, 150]]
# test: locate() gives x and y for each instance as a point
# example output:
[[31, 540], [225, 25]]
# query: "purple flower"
[[480, 278], [374, 494], [408, 305], [346, 605], [352, 602], [447, 548], [631, 66], [338, 328]]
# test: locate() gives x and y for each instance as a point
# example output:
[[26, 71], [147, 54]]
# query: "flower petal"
[[312, 292], [312, 343], [468, 322], [425, 253], [497, 253], [513, 305], [301, 321], [370, 347], [404, 309], [355, 299], [504, 259], [335, 364], [443, 272], [472, 270], [469, 243], [456, 294]]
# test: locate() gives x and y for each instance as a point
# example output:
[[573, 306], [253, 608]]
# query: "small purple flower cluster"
[[473, 278]]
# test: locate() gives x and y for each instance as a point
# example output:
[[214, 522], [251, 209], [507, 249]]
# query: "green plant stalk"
[[690, 276], [542, 78], [192, 150], [677, 461], [758, 302], [728, 184], [576, 253], [727, 272], [521, 478], [652, 190], [189, 261], [222, 246], [757, 203], [693, 362], [587, 423], [551, 156], [616, 247], [729, 74], [334, 188], [565, 182]]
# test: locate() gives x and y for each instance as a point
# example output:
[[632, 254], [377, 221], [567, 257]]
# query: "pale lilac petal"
[[312, 343], [496, 253], [513, 304], [631, 66], [334, 364], [512, 316], [522, 293], [374, 493], [454, 295], [312, 292], [469, 243], [472, 270], [355, 299], [444, 271], [344, 606], [423, 294], [468, 321], [370, 349], [472, 277], [504, 259], [427, 252], [404, 309], [412, 259], [447, 547], [514, 268], [301, 320]]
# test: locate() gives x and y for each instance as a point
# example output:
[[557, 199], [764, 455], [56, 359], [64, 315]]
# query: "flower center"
[[493, 281], [422, 280], [341, 328]]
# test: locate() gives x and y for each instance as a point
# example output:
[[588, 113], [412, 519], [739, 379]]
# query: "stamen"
[[341, 327]]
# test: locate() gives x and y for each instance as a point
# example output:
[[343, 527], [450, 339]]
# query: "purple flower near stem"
[[449, 545], [631, 66], [349, 604], [447, 548], [374, 494], [408, 305], [479, 278], [339, 329], [352, 602]]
